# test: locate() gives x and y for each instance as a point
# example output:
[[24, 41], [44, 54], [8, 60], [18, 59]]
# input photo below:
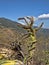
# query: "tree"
[[32, 34]]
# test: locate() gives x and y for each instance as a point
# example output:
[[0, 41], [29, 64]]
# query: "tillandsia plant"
[[11, 62], [31, 33]]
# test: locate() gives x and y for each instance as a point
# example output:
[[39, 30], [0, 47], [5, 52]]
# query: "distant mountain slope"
[[7, 23], [10, 24], [13, 27]]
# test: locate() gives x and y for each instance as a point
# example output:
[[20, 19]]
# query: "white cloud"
[[43, 16]]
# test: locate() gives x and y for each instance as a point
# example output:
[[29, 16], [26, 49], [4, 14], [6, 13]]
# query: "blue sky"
[[13, 9]]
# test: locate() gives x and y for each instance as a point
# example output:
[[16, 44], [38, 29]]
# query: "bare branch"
[[23, 18], [31, 20], [23, 26], [39, 27]]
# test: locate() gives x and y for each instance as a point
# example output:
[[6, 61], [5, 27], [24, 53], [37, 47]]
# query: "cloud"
[[43, 16]]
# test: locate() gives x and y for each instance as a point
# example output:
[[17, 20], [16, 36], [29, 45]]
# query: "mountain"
[[7, 23], [10, 31]]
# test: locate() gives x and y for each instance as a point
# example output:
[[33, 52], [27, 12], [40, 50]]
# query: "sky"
[[13, 9]]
